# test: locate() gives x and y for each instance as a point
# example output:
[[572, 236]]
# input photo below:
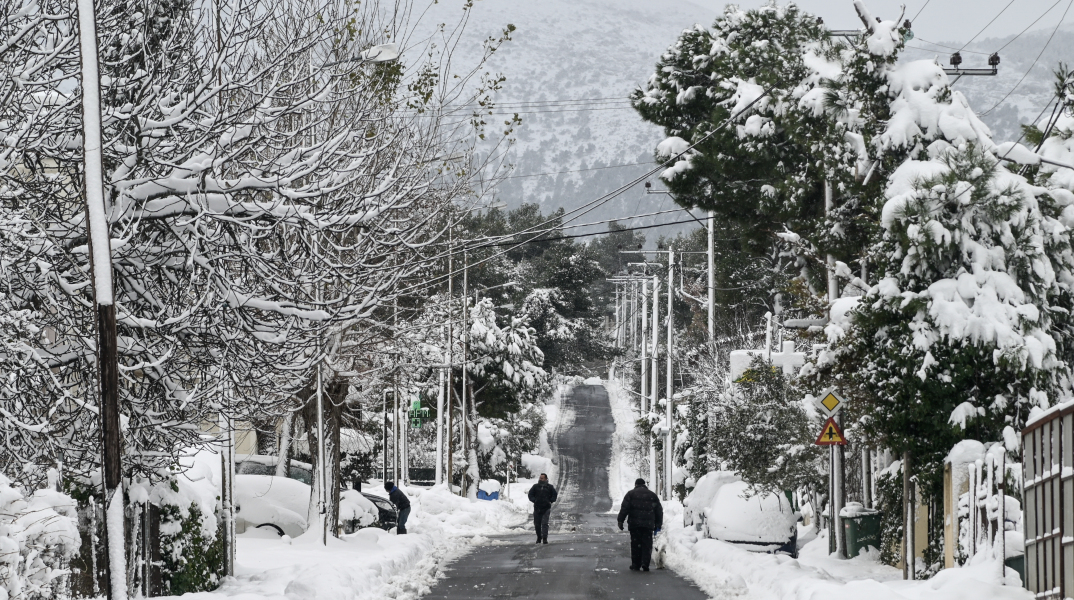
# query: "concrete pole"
[[669, 447], [712, 279], [463, 435], [644, 349], [654, 389], [450, 351], [833, 284], [619, 319], [322, 500], [439, 477]]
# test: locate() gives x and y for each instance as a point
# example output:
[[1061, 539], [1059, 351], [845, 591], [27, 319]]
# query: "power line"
[[1046, 43], [577, 170], [1030, 25], [593, 204], [986, 26], [581, 235], [943, 46], [919, 11]]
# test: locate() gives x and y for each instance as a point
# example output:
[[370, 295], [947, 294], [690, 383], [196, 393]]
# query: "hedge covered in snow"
[[38, 538]]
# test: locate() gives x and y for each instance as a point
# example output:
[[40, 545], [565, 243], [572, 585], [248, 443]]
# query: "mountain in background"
[[572, 63]]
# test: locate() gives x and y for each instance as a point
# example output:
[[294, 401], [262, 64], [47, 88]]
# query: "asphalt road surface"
[[586, 555]]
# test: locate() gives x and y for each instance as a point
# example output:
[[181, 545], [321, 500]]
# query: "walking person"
[[641, 507], [542, 495], [402, 505]]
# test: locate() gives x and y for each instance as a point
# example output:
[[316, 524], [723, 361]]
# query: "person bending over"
[[402, 504]]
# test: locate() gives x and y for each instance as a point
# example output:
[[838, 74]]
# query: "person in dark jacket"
[[641, 507], [402, 505], [542, 495]]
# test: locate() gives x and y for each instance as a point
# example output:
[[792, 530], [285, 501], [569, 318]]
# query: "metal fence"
[[1048, 471]]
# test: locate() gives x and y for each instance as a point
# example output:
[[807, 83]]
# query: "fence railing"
[[1048, 471]]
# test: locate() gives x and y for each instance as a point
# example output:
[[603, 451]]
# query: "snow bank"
[[722, 570], [370, 563], [622, 471], [38, 536]]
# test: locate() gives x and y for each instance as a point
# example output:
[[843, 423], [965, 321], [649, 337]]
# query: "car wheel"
[[271, 526]]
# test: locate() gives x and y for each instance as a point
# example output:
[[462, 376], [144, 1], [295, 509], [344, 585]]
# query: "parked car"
[[722, 507], [281, 504]]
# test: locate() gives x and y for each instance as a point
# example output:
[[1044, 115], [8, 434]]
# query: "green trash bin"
[[862, 530]]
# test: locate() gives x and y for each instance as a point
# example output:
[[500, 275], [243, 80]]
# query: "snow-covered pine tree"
[[959, 337]]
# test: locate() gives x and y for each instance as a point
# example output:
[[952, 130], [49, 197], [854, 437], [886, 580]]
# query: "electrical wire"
[[577, 170], [913, 20], [586, 208], [943, 46], [986, 26], [1030, 25], [1026, 74]]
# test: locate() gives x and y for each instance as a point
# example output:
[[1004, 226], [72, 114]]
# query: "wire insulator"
[[993, 60], [956, 59]]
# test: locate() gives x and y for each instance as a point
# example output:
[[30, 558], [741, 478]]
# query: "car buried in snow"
[[280, 504], [722, 507]]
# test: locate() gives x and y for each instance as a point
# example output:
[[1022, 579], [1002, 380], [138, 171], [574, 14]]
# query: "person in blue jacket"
[[402, 505]]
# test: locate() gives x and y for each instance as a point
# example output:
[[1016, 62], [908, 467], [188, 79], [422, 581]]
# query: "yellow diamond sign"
[[830, 402]]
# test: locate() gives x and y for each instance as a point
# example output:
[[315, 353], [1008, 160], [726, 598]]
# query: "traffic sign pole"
[[831, 435]]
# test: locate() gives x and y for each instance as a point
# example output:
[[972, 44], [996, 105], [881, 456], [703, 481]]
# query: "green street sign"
[[415, 423]]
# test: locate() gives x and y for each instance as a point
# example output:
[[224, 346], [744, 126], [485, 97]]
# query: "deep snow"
[[370, 563]]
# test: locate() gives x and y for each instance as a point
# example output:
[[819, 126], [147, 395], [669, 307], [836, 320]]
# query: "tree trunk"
[[907, 519], [265, 430], [334, 395], [283, 463]]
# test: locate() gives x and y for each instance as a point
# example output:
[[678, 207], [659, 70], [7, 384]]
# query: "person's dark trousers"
[[400, 525], [641, 547], [540, 522]]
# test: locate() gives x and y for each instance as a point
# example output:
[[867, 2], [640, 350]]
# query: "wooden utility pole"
[[101, 268]]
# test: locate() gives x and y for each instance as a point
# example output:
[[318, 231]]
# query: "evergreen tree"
[[960, 337]]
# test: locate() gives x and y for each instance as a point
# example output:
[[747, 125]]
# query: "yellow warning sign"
[[831, 435]]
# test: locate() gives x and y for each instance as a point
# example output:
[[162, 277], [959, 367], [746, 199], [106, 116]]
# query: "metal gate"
[[1048, 472]]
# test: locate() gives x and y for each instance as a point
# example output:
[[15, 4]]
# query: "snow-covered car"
[[722, 507], [270, 502], [281, 504]]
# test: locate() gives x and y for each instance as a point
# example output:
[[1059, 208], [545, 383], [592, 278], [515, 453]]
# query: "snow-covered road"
[[587, 556]]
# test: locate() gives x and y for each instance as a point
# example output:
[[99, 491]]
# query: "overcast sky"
[[941, 20]]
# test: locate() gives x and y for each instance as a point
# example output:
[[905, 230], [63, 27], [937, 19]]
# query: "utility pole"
[[465, 352], [384, 452], [439, 476], [669, 446], [838, 452], [644, 350], [322, 500], [450, 351], [655, 370], [712, 280], [395, 392], [100, 253]]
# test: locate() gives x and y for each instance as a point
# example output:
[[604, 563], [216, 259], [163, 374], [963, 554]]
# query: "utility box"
[[862, 526]]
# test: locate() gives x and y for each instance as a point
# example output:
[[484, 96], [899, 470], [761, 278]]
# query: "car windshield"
[[301, 474], [249, 467], [252, 468], [380, 502]]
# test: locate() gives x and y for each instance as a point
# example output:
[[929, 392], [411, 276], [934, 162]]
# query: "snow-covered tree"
[[966, 329]]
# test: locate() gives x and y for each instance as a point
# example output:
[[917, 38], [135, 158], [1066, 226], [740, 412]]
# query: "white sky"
[[941, 20]]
